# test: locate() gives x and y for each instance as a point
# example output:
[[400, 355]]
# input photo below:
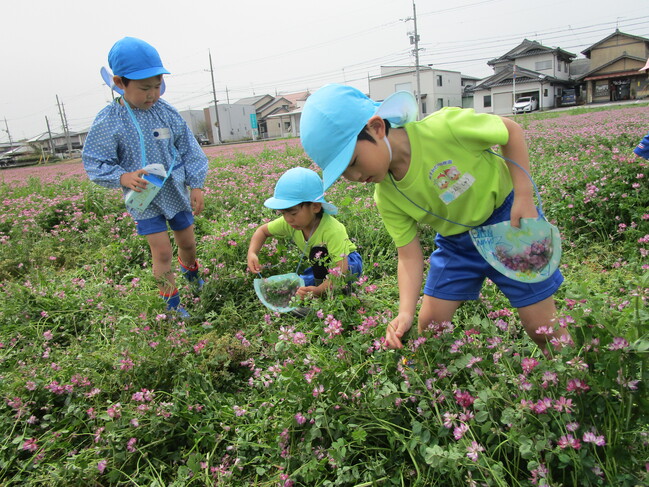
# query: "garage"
[[502, 103]]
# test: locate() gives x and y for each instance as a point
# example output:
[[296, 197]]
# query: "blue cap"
[[299, 185], [135, 59], [333, 117]]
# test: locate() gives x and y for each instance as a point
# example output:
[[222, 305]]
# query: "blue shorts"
[[158, 224], [354, 265], [457, 270]]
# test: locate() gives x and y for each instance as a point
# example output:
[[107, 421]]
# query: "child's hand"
[[253, 263], [196, 200], [305, 291], [522, 207], [396, 329], [134, 180]]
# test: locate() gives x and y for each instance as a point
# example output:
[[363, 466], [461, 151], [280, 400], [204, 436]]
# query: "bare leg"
[[162, 254], [186, 242], [436, 311], [543, 313]]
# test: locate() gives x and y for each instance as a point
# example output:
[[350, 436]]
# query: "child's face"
[[301, 217], [143, 93], [370, 162]]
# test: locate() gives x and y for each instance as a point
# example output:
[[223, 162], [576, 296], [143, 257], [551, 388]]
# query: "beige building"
[[614, 65]]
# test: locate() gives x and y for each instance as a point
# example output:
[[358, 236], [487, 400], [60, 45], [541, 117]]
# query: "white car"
[[525, 104]]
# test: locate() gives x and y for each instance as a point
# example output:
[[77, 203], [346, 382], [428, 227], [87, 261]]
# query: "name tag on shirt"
[[161, 133]]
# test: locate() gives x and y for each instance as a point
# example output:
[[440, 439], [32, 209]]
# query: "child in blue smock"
[[308, 220], [138, 129]]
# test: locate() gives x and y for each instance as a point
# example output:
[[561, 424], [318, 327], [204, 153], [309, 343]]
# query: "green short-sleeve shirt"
[[330, 234], [450, 175]]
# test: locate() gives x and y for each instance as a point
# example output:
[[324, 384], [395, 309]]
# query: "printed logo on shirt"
[[162, 133], [437, 166], [450, 181]]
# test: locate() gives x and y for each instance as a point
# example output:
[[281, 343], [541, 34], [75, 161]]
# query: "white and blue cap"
[[299, 185], [135, 59], [333, 117]]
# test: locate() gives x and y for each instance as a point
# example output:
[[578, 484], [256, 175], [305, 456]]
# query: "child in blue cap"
[[307, 220], [139, 131], [436, 171]]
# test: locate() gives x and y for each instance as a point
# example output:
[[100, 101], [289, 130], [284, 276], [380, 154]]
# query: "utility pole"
[[11, 143], [216, 108], [514, 83], [49, 132], [64, 121], [414, 39]]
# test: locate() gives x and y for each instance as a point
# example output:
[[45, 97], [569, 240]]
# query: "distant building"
[[529, 69], [614, 65], [195, 119], [236, 122], [278, 116], [439, 87]]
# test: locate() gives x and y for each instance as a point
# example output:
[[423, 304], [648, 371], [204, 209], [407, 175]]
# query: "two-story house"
[[614, 65], [530, 69], [439, 87]]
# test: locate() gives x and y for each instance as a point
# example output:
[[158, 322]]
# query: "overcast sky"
[[51, 48]]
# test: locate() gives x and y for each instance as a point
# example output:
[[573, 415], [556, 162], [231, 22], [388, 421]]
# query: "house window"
[[539, 65], [545, 92], [439, 80], [559, 66], [486, 101], [287, 126], [440, 103], [423, 107]]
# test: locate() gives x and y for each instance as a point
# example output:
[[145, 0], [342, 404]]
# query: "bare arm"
[[410, 276], [256, 243], [516, 150]]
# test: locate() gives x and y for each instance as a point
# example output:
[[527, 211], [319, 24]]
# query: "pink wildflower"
[[473, 450], [568, 441], [591, 437], [30, 445]]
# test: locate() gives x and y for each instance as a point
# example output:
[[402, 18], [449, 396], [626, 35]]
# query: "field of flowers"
[[99, 387]]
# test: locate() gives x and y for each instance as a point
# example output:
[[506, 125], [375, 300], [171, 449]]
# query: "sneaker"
[[182, 312]]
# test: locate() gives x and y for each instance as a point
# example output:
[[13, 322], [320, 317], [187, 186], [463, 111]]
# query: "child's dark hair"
[[126, 81], [365, 135], [319, 214], [300, 205]]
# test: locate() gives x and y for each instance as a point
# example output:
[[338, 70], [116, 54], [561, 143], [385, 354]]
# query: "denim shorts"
[[457, 270], [158, 224]]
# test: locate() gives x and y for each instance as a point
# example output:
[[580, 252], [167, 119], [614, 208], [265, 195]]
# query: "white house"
[[530, 69], [235, 122], [439, 87]]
